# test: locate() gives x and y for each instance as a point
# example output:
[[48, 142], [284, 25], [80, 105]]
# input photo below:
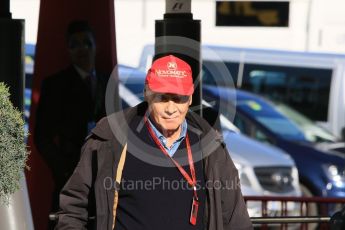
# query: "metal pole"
[[286, 220], [17, 216], [5, 9], [307, 27], [179, 34]]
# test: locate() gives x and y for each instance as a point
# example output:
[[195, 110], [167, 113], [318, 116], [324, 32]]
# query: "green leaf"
[[13, 152]]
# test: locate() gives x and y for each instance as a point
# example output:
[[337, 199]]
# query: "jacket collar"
[[117, 121], [117, 124]]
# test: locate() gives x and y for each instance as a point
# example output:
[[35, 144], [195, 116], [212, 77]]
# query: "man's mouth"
[[169, 118]]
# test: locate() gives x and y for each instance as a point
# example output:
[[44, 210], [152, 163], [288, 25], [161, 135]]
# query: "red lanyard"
[[191, 181]]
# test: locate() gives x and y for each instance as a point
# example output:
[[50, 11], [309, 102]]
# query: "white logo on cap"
[[172, 65], [171, 71]]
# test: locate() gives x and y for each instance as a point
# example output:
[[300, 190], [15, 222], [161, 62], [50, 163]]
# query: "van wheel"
[[312, 207]]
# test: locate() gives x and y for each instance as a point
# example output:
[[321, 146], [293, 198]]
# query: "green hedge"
[[13, 153]]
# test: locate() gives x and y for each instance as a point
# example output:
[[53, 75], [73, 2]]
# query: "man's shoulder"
[[198, 122], [115, 125], [210, 138], [60, 77], [102, 129], [102, 75]]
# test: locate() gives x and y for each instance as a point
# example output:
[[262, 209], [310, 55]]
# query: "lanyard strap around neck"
[[191, 181]]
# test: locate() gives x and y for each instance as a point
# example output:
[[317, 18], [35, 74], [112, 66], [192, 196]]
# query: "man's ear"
[[190, 100], [145, 93]]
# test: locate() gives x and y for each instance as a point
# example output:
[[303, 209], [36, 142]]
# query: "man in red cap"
[[155, 166]]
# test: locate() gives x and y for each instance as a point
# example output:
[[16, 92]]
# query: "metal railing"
[[298, 216], [283, 219]]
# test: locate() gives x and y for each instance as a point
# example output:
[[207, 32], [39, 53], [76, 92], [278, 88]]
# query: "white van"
[[311, 83]]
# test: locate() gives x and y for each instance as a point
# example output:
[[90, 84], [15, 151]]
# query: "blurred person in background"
[[71, 102]]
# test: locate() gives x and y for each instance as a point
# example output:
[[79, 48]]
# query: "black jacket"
[[86, 193], [64, 110]]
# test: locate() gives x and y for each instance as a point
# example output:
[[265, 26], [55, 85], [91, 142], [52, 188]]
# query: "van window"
[[305, 89], [213, 73]]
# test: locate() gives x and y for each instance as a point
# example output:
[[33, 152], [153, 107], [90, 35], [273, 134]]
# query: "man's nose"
[[171, 107]]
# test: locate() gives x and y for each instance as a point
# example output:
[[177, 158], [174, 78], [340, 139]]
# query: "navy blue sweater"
[[153, 193]]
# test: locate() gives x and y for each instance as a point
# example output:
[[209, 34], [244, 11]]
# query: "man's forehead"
[[169, 95]]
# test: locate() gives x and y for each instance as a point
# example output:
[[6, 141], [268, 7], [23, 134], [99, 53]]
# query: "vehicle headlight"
[[335, 173], [242, 174], [295, 176]]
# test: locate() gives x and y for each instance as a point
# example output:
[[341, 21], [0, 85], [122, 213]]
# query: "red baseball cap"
[[170, 74]]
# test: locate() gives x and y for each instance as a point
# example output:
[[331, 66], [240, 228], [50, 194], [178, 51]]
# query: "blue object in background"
[[321, 172]]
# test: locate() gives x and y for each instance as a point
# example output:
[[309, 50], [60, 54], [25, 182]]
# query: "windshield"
[[271, 119], [313, 132], [281, 126]]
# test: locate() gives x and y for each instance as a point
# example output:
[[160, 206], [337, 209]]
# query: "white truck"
[[311, 83]]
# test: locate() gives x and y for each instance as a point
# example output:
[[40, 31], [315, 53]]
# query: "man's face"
[[168, 110], [82, 50]]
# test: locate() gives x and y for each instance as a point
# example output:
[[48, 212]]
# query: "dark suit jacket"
[[64, 111]]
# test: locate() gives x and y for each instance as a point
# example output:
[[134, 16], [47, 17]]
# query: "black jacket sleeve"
[[47, 122], [234, 210], [74, 197]]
